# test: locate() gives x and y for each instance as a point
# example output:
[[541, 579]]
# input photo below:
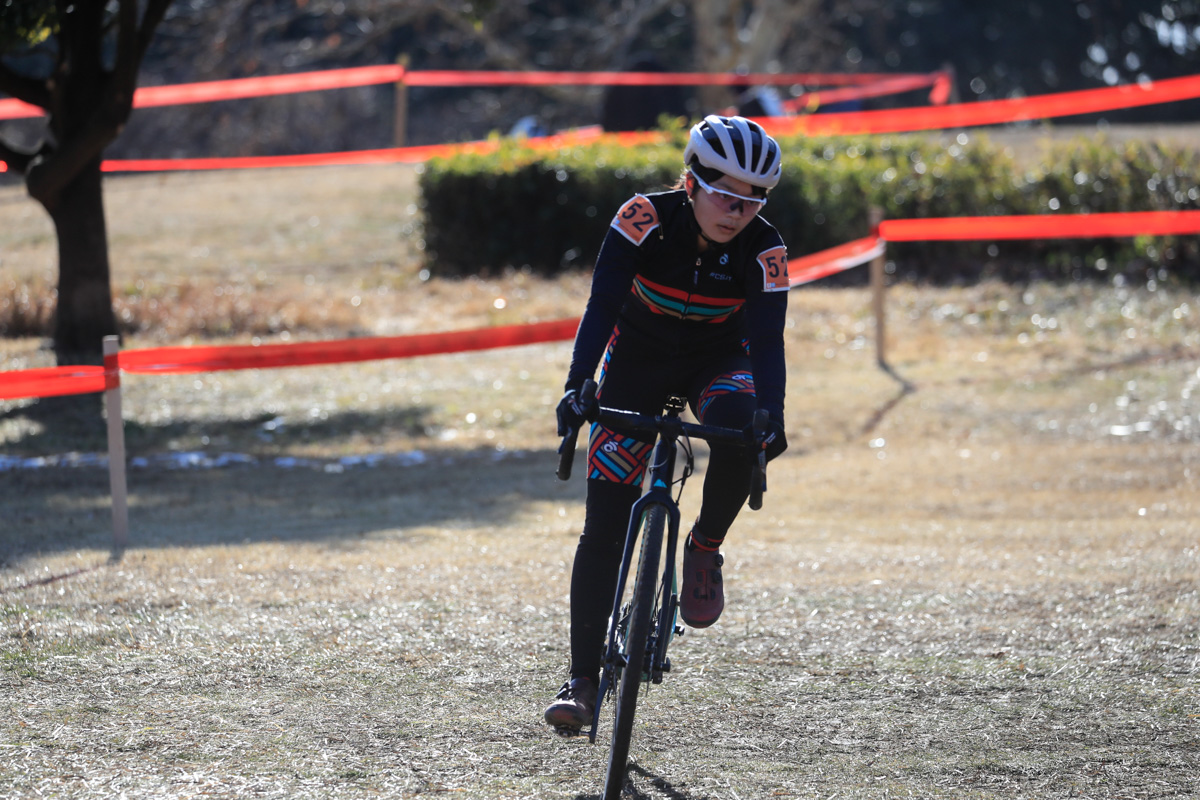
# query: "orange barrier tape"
[[894, 120], [989, 112], [858, 122], [811, 101], [175, 360], [242, 88], [112, 371], [807, 269], [536, 78], [268, 85], [943, 85], [1042, 226], [11, 108], [236, 88], [390, 155], [51, 382], [54, 381]]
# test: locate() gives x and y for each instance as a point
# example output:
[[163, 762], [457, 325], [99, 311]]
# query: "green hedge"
[[519, 208]]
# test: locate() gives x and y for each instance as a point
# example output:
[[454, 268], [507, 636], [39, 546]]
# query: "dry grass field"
[[976, 578]]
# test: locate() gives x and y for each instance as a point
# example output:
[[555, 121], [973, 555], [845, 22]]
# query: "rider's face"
[[718, 217]]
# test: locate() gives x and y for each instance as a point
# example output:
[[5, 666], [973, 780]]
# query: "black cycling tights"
[[598, 555]]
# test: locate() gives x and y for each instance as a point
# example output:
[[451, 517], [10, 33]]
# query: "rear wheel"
[[641, 616]]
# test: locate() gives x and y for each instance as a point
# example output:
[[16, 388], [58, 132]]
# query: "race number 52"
[[774, 267], [636, 219]]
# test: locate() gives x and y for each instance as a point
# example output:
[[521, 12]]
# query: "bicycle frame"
[[646, 630], [661, 477]]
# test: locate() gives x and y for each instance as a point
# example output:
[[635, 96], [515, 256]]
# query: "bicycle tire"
[[645, 587]]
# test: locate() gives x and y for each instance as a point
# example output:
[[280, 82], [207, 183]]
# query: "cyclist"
[[688, 297]]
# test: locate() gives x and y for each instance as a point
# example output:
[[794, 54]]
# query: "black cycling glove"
[[571, 413], [773, 441]]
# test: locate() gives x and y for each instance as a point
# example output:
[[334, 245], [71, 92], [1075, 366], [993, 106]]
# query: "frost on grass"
[[945, 595]]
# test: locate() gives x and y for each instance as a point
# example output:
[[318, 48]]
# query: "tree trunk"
[[84, 315], [715, 39]]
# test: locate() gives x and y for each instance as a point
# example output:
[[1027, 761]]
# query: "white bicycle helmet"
[[736, 146]]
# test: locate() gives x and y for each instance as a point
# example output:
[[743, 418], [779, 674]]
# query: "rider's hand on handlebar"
[[773, 441], [572, 412]]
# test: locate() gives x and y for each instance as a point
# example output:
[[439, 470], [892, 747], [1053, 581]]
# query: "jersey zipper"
[[687, 306]]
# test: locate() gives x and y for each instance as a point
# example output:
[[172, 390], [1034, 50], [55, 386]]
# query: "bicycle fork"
[[664, 626]]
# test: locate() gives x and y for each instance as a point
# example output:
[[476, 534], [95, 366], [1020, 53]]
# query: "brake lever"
[[566, 450], [758, 477]]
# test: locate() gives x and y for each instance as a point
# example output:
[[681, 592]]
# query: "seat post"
[[675, 404]]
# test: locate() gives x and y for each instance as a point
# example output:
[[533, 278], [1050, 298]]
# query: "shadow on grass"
[[76, 424], [58, 509], [662, 787], [883, 410], [401, 494], [56, 425]]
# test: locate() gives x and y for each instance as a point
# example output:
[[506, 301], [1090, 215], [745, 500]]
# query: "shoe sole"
[[565, 723], [700, 622], [568, 733]]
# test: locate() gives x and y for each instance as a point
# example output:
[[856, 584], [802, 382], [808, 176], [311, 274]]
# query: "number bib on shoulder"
[[774, 267], [636, 219]]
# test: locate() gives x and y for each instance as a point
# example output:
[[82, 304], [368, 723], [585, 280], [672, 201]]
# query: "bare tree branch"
[[50, 171], [29, 90], [503, 55], [767, 28], [16, 160], [155, 11], [132, 41], [755, 36], [497, 51], [118, 100], [127, 37]]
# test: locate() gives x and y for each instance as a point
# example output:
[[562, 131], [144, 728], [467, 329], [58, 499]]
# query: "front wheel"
[[641, 614]]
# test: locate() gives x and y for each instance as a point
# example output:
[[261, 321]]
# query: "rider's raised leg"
[[728, 402]]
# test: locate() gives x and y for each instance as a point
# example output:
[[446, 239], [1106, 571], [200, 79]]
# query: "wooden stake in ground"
[[116, 445]]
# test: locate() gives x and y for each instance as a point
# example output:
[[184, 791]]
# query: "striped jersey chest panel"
[[682, 304]]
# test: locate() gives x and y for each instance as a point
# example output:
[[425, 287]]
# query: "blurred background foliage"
[[558, 206], [996, 50]]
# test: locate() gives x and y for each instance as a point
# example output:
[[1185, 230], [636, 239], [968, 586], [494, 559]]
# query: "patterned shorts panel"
[[738, 382], [615, 457]]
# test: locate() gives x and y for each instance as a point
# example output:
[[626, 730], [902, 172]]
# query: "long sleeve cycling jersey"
[[653, 280]]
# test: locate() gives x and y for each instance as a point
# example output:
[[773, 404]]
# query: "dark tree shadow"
[[274, 497], [67, 423], [906, 389], [662, 787], [271, 498], [77, 424]]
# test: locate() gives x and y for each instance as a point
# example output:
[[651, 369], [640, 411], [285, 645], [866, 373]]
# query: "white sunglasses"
[[731, 201]]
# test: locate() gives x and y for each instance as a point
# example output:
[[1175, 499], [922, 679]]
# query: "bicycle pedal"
[[569, 733], [680, 630]]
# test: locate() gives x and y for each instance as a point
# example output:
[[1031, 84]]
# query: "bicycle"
[[643, 623]]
